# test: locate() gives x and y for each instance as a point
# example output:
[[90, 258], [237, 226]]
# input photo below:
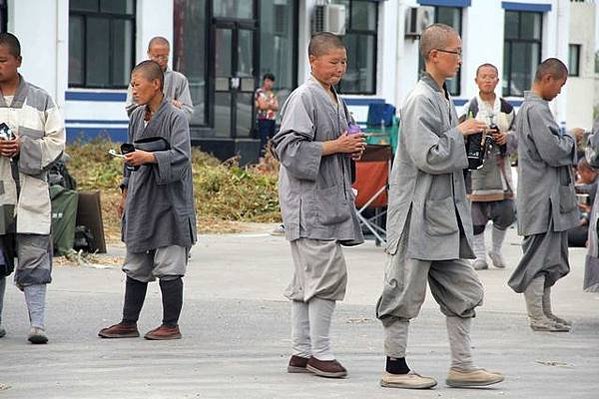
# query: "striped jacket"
[[35, 118]]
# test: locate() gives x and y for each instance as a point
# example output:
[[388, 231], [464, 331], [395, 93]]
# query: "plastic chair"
[[372, 175]]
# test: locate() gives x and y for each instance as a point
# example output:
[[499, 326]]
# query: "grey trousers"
[[163, 263], [34, 266], [319, 270], [453, 283]]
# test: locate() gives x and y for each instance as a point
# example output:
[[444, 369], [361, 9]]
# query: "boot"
[[533, 296], [547, 309]]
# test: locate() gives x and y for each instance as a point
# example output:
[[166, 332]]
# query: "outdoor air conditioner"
[[329, 18], [418, 18]]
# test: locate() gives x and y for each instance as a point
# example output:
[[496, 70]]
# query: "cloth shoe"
[[120, 330], [497, 259], [472, 378], [326, 368], [297, 364], [533, 296], [37, 336], [164, 332], [278, 231], [547, 309], [480, 264], [410, 380]]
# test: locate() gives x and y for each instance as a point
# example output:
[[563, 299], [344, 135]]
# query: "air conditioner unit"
[[329, 18], [418, 18]]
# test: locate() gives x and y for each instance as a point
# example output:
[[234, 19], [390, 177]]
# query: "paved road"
[[236, 334]]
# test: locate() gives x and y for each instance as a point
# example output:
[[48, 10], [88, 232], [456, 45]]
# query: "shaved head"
[[323, 42], [11, 42], [150, 70], [487, 65], [158, 40], [435, 36], [553, 67]]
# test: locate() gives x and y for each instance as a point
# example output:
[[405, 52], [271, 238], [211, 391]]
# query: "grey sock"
[[35, 296], [396, 337], [458, 330], [320, 312]]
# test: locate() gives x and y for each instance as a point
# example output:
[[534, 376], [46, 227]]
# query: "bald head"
[[323, 42], [553, 67], [150, 70], [435, 36], [158, 41]]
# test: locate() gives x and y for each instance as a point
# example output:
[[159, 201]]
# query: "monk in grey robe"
[[176, 86], [317, 203], [159, 225], [546, 200], [591, 267], [429, 228]]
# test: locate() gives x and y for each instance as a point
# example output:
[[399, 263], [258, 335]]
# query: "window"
[[574, 60], [278, 44], [521, 49], [101, 43], [361, 42], [451, 16], [3, 16], [190, 52]]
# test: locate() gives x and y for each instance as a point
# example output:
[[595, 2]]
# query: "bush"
[[224, 191]]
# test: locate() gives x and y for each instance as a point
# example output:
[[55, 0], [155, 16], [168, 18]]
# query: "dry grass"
[[226, 195]]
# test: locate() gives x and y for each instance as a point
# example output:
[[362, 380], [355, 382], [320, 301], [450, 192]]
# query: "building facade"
[[82, 51]]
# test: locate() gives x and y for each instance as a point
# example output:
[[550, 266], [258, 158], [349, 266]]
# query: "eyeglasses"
[[159, 57], [456, 52]]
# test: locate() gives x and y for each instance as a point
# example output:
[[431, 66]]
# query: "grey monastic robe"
[[427, 178], [546, 200], [176, 87], [160, 210], [314, 190], [591, 269]]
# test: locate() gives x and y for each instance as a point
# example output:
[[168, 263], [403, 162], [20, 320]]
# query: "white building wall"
[[45, 53], [580, 89], [40, 42], [482, 41]]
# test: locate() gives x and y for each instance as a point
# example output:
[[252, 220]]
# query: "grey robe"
[[545, 180], [159, 210], [591, 269], [315, 192], [546, 200], [176, 87], [427, 177]]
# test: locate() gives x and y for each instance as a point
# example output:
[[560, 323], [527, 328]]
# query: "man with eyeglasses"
[[176, 86], [429, 230]]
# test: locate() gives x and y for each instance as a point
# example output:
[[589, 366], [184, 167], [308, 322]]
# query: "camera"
[[502, 147], [125, 149], [5, 132], [476, 147]]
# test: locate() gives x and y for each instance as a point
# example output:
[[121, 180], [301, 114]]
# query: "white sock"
[[35, 296], [498, 236], [479, 246], [300, 329], [321, 314]]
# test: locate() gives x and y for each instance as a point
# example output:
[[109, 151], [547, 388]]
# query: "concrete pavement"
[[236, 334]]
